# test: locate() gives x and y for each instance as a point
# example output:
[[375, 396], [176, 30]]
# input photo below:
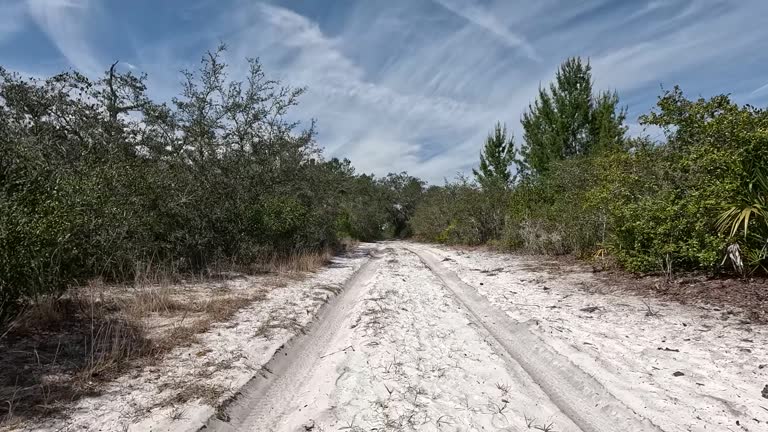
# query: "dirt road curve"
[[411, 345]]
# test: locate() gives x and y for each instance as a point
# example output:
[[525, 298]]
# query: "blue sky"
[[408, 84]]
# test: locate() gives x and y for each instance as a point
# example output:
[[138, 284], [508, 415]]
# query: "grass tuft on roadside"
[[63, 348]]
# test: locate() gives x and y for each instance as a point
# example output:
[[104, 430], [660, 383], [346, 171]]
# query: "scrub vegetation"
[[97, 180], [695, 201], [112, 202]]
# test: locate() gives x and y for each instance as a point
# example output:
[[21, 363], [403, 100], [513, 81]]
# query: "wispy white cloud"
[[403, 85], [650, 7], [65, 22], [477, 15], [381, 128], [693, 37], [427, 108], [760, 90]]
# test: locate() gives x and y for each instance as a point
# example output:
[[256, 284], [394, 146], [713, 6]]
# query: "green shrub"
[[96, 179], [460, 213], [674, 192], [549, 214], [653, 205]]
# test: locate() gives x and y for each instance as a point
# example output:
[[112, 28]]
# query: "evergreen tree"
[[495, 159], [607, 122], [569, 120]]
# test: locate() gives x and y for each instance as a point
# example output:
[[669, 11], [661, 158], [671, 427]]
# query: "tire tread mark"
[[576, 393]]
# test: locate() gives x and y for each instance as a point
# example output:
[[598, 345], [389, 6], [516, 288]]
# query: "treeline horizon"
[[698, 200], [97, 180]]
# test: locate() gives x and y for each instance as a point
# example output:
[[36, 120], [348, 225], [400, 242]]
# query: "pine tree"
[[567, 120], [495, 159], [607, 122]]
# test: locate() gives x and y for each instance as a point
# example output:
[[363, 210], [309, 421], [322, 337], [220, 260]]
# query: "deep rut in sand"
[[409, 346], [261, 403], [582, 398]]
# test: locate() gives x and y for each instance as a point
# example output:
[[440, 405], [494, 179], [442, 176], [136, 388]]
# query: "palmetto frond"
[[752, 206]]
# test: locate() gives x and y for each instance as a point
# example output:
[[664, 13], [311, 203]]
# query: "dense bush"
[[460, 213], [96, 179], [671, 205], [550, 214]]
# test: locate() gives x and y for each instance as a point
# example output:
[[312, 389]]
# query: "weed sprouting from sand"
[[546, 427], [529, 421]]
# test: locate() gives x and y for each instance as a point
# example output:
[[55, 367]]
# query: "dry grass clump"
[[62, 348], [348, 244], [148, 300], [295, 262], [208, 393], [110, 344], [207, 313], [224, 308], [58, 349]]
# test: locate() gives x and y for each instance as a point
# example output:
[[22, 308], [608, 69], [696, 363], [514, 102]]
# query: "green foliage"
[[568, 120], [649, 217], [495, 159], [96, 179], [374, 209], [550, 214], [649, 203], [402, 194], [435, 214], [460, 213], [364, 210], [749, 214], [652, 205], [714, 150]]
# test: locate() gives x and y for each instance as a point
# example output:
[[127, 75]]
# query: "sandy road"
[[409, 345]]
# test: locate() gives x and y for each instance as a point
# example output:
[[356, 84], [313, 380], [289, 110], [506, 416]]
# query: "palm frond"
[[734, 218]]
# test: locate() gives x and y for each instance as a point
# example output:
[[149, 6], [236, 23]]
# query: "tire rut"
[[577, 394], [263, 401]]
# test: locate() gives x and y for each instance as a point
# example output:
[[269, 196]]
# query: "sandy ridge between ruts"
[[262, 401], [577, 394]]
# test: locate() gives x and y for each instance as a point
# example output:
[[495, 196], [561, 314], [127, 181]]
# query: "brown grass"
[[147, 300], [63, 348], [208, 393], [211, 312], [347, 244], [57, 349], [293, 263]]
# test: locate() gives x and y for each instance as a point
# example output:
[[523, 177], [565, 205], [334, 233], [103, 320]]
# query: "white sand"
[[408, 348], [226, 357], [724, 362], [406, 358]]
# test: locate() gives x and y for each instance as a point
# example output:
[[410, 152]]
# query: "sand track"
[[265, 400], [582, 398], [428, 338], [411, 345]]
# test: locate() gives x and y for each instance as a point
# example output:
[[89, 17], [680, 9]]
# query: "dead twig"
[[650, 312], [336, 352], [529, 421], [440, 421]]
